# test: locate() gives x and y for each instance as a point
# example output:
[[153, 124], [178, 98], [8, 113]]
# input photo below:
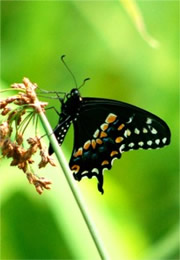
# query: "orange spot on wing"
[[121, 127], [104, 127], [105, 162], [93, 143], [78, 153], [98, 141], [113, 153], [103, 134], [111, 118], [119, 139], [86, 145], [75, 168]]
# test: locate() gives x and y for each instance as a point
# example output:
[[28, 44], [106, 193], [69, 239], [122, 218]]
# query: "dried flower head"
[[5, 111], [45, 158], [12, 129], [39, 183], [5, 130]]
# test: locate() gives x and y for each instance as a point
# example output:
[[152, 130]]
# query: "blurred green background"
[[137, 217]]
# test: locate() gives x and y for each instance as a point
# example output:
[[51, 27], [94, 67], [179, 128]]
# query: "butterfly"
[[103, 130]]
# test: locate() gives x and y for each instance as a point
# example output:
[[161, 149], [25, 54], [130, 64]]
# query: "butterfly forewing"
[[107, 128]]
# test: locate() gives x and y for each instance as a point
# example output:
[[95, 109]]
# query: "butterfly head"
[[72, 103], [75, 93]]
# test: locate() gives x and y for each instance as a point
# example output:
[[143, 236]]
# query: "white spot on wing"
[[141, 143], [127, 133], [164, 140], [148, 121], [145, 130], [113, 160], [149, 142], [95, 170], [153, 131], [83, 173], [121, 148], [157, 141], [130, 119], [131, 144], [136, 131], [96, 133]]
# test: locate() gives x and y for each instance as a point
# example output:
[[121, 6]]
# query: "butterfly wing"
[[105, 129]]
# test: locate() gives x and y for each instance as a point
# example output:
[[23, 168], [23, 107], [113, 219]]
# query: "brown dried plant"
[[18, 111]]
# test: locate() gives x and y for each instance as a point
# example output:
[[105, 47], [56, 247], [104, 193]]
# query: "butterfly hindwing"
[[105, 129]]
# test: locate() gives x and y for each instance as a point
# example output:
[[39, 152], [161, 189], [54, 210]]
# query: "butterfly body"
[[69, 113], [103, 130]]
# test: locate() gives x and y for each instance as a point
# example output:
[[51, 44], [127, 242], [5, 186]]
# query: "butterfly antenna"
[[62, 59], [83, 83]]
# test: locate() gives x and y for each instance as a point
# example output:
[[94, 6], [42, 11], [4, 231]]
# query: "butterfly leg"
[[54, 110]]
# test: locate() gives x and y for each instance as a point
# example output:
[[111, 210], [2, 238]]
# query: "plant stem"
[[63, 163]]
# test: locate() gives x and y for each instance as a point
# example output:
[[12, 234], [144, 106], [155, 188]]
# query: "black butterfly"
[[103, 130]]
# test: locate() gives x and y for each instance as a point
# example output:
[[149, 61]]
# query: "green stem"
[[62, 161], [12, 89]]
